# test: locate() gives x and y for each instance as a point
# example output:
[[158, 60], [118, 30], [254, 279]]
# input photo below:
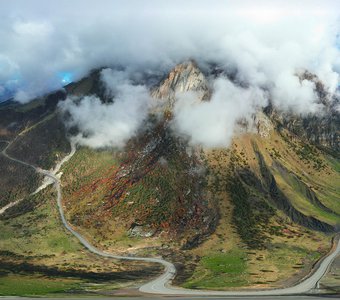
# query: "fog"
[[110, 124], [46, 44], [212, 123]]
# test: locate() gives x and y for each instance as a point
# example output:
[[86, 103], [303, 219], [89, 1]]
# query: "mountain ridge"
[[161, 195]]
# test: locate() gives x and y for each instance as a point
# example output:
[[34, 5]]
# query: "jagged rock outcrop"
[[183, 78], [262, 124], [322, 129]]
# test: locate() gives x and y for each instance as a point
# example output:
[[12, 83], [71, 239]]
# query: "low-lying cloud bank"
[[266, 41], [46, 44], [109, 124], [212, 123]]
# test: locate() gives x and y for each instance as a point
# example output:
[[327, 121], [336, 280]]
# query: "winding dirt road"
[[162, 284]]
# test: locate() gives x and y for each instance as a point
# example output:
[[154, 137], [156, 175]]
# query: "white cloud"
[[32, 29], [291, 94], [109, 124], [44, 38], [212, 123], [267, 42]]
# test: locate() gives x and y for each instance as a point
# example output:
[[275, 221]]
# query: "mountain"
[[263, 209], [183, 78], [320, 129]]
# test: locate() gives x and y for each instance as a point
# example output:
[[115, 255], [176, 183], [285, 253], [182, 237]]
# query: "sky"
[[47, 44]]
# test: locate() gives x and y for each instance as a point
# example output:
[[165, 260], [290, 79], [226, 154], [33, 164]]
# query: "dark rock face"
[[321, 129]]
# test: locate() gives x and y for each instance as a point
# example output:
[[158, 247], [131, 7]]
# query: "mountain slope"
[[263, 209], [266, 185]]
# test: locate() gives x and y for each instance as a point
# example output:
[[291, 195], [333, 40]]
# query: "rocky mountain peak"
[[320, 129], [320, 89], [182, 78]]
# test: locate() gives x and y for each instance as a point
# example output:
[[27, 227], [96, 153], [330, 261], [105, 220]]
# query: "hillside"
[[263, 209]]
